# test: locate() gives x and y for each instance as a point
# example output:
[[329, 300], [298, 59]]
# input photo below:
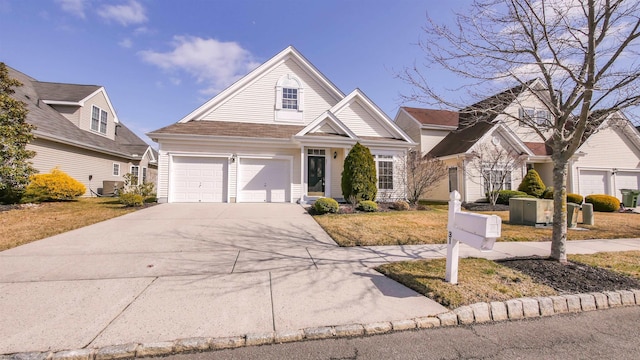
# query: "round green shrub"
[[603, 203], [326, 205], [574, 198], [54, 186], [400, 205], [505, 195], [359, 179], [368, 206], [532, 184], [131, 199], [548, 193]]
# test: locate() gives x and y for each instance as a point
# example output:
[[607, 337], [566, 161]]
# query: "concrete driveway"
[[191, 270]]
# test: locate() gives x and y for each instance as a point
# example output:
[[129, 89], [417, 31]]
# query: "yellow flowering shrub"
[[54, 186]]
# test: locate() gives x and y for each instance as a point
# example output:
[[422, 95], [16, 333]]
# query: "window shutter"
[[300, 99], [278, 97], [521, 115]]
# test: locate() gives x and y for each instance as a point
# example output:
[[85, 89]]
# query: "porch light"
[[233, 158], [335, 154]]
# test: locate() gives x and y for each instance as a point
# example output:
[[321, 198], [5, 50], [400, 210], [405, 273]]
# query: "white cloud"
[[125, 14], [126, 43], [215, 63], [73, 7]]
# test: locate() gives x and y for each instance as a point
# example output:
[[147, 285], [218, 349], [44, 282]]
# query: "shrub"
[[359, 174], [505, 195], [532, 184], [603, 203], [326, 205], [548, 193], [54, 186], [131, 199], [368, 206], [400, 205], [575, 198]]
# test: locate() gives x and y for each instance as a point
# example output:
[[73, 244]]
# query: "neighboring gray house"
[[78, 131]]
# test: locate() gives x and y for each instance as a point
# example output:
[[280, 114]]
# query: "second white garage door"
[[627, 180], [198, 179], [264, 180]]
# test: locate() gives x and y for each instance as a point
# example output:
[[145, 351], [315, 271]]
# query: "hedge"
[[603, 203]]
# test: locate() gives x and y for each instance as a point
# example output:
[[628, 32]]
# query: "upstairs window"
[[535, 116], [290, 98], [98, 120]]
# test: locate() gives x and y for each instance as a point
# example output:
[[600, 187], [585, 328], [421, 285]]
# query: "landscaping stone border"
[[514, 309]]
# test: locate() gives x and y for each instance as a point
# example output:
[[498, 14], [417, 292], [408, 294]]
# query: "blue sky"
[[161, 59]]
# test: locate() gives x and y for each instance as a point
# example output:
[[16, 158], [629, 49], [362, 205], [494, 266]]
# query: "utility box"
[[528, 211], [572, 215], [587, 214]]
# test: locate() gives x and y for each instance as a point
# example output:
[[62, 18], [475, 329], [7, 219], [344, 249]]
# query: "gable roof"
[[52, 125], [63, 92], [439, 118], [286, 54]]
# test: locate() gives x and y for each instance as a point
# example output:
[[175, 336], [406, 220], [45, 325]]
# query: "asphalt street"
[[605, 334]]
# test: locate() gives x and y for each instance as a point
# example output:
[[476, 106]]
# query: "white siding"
[[409, 126], [608, 148], [525, 133], [361, 122], [256, 103], [430, 138]]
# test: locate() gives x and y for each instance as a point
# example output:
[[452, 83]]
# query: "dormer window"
[[98, 120], [289, 102], [290, 98], [530, 116]]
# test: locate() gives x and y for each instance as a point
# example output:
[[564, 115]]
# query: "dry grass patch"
[[479, 280], [429, 227], [21, 226], [626, 262]]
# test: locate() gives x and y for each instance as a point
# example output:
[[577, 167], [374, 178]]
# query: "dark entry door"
[[315, 175]]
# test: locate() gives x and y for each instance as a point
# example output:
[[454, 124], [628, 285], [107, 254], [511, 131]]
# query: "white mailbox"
[[476, 230]]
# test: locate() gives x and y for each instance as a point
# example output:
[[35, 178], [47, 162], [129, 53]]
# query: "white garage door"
[[594, 182], [264, 180], [198, 179], [627, 180]]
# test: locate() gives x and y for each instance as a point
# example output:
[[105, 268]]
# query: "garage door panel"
[[264, 180], [594, 182], [628, 180], [199, 179]]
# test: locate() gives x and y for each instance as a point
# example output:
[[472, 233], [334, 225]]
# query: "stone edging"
[[514, 309]]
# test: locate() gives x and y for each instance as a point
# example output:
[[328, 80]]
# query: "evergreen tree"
[[532, 184], [359, 180], [15, 134]]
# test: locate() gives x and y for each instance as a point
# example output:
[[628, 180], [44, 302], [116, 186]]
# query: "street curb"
[[478, 313]]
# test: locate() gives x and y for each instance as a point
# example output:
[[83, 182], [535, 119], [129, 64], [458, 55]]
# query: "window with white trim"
[[290, 98], [289, 101], [98, 120], [500, 179], [135, 173], [384, 165], [116, 169], [534, 116]]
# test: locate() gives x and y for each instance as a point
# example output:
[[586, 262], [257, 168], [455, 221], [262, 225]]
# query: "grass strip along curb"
[[514, 309]]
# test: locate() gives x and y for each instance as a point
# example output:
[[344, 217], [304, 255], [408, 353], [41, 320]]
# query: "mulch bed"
[[571, 277], [473, 206]]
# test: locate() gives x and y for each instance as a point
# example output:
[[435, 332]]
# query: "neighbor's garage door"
[[264, 180], [198, 179], [594, 182], [627, 180]]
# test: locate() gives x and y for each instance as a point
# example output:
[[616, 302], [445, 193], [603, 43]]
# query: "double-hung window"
[[290, 98], [495, 180], [116, 169], [534, 116], [98, 120], [135, 173], [384, 164]]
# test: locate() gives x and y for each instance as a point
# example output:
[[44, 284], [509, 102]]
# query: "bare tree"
[[583, 53], [421, 174], [492, 166]]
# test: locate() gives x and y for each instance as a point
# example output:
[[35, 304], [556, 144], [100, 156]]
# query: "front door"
[[315, 175]]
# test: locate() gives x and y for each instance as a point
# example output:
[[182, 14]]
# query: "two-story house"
[[78, 131], [608, 159], [279, 134]]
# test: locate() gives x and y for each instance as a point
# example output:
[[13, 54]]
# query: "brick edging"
[[514, 309]]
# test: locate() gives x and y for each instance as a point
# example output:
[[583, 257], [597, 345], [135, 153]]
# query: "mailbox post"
[[476, 230]]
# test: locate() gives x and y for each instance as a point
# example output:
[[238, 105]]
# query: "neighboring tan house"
[[78, 131], [279, 134], [608, 159]]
